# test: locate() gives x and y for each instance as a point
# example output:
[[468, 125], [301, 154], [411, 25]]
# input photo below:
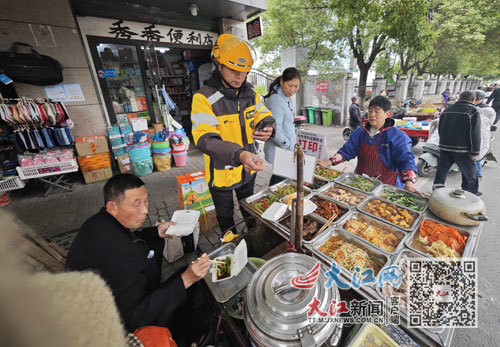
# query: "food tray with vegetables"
[[343, 194], [328, 173], [439, 240], [383, 210], [287, 187], [262, 200], [312, 224], [359, 182], [348, 252], [402, 197], [326, 207], [383, 236], [318, 182], [225, 290]]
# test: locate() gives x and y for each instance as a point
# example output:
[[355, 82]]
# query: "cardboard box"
[[125, 164], [208, 217], [91, 145], [191, 189], [97, 175], [158, 127], [94, 162]]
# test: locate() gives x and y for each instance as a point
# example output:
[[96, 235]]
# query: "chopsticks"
[[326, 224], [216, 262]]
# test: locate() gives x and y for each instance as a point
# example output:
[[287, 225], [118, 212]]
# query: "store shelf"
[[177, 93], [172, 76]]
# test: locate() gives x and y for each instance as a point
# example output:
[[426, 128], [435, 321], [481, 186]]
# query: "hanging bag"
[[31, 68]]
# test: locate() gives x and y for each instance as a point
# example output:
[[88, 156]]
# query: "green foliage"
[[289, 23]]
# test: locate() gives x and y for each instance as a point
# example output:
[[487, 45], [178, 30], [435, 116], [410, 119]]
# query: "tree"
[[367, 26], [289, 23]]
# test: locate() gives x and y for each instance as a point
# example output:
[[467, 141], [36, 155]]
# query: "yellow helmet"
[[233, 53]]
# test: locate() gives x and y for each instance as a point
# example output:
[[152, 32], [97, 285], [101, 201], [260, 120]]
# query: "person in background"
[[487, 118], [383, 93], [399, 111], [460, 142], [279, 102], [354, 114], [446, 97], [130, 261], [383, 151], [495, 97], [227, 115]]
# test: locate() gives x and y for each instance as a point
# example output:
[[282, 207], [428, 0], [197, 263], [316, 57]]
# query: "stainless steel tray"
[[380, 257], [380, 192], [254, 198], [339, 204], [355, 215], [325, 178], [413, 243], [315, 179], [417, 216], [287, 182], [314, 217], [357, 193], [225, 290], [348, 177], [405, 253]]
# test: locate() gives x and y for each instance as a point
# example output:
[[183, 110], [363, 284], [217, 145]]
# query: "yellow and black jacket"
[[223, 122]]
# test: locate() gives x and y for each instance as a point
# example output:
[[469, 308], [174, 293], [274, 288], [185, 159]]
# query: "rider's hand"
[[264, 134]]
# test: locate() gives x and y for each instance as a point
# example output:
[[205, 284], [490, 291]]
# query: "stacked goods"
[[162, 159], [140, 155], [93, 157], [116, 139], [180, 144]]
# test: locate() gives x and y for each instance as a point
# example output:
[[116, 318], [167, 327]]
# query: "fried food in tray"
[[383, 239], [348, 255], [343, 195], [440, 240], [391, 213], [326, 208]]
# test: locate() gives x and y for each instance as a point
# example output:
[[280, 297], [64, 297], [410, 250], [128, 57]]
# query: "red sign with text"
[[322, 86]]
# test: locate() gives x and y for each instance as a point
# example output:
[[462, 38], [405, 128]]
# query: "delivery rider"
[[226, 116]]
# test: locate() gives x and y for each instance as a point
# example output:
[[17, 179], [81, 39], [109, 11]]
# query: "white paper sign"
[[313, 144], [65, 92], [285, 165]]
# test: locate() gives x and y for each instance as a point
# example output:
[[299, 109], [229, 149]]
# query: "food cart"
[[353, 200]]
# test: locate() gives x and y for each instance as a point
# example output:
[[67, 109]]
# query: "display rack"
[[11, 184]]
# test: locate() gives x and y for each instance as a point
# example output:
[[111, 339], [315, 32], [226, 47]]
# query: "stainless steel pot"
[[457, 206], [275, 312]]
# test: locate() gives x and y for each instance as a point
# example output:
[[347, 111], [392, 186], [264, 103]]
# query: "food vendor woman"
[[383, 151]]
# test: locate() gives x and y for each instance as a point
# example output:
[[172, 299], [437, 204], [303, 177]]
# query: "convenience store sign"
[[129, 30]]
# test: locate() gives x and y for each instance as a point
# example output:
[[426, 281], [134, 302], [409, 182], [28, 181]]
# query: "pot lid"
[[276, 311], [458, 199]]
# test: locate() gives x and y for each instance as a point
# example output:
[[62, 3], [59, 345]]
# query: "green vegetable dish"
[[362, 183], [327, 173], [286, 190], [264, 203], [403, 199], [223, 268]]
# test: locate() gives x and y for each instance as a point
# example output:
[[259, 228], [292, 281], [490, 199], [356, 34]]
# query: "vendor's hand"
[[263, 134], [162, 229], [251, 161], [327, 163], [410, 186], [196, 270]]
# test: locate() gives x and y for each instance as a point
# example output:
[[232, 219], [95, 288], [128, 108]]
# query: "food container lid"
[[458, 199], [372, 335], [275, 211], [186, 222], [275, 310]]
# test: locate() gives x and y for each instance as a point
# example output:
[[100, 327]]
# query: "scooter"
[[428, 161]]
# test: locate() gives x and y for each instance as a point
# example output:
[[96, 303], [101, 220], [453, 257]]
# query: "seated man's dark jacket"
[[120, 256], [460, 128]]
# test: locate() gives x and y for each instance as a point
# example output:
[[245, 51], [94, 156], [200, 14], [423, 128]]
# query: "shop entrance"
[[132, 75]]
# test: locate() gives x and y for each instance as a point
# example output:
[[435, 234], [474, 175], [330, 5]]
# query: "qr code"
[[442, 294]]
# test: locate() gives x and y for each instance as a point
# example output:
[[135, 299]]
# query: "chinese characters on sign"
[[254, 28], [130, 30], [322, 86], [313, 144]]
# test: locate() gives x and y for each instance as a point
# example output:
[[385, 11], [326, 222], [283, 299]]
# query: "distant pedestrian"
[[495, 97], [487, 119], [460, 142], [446, 97], [354, 114], [383, 93]]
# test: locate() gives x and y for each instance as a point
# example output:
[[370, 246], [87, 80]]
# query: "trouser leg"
[[497, 110], [468, 167], [242, 193], [444, 163], [224, 207], [479, 168]]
